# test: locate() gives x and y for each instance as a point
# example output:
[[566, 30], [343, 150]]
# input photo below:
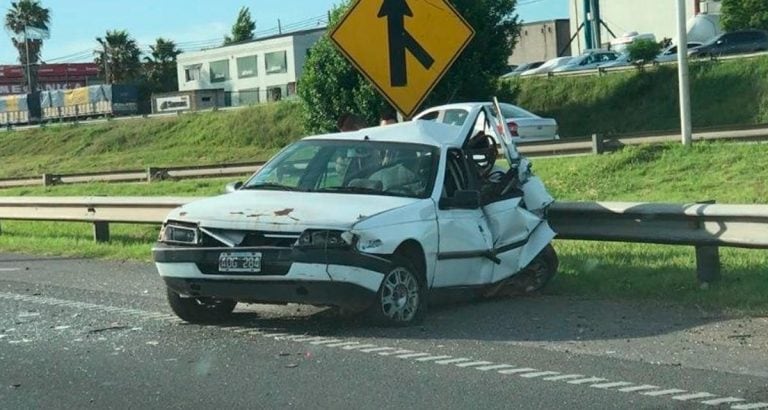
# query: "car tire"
[[538, 273], [402, 296], [200, 310]]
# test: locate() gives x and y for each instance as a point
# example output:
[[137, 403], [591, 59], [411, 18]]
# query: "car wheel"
[[200, 310], [538, 273], [401, 299]]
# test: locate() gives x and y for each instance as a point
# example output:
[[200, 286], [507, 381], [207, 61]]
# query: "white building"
[[265, 69], [658, 17]]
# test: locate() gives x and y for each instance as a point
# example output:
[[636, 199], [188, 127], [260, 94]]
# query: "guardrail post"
[[156, 174], [598, 144], [708, 264], [49, 180], [101, 231]]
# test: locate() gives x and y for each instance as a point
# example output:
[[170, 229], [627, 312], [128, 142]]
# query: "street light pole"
[[682, 64]]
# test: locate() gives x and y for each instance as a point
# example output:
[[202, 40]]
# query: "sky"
[[190, 23]]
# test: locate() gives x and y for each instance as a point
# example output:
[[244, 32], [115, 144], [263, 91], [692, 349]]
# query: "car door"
[[464, 239]]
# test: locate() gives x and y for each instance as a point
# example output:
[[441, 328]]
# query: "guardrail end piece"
[[708, 264]]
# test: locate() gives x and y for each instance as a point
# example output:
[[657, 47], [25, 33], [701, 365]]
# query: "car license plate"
[[240, 262]]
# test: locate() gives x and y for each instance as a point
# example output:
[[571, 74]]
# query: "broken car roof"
[[412, 132]]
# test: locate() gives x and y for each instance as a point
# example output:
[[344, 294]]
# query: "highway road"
[[77, 333]]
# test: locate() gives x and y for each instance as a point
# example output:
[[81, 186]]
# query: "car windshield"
[[351, 167]]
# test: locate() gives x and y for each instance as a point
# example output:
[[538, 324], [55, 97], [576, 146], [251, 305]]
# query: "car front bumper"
[[334, 277]]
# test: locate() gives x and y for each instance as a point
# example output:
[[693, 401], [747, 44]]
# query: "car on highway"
[[670, 53], [524, 126], [379, 220], [547, 67], [735, 42], [588, 60], [522, 68]]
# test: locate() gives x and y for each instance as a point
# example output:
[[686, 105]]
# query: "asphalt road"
[[93, 334]]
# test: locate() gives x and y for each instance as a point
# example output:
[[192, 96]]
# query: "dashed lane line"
[[416, 357], [753, 406], [726, 400], [693, 396]]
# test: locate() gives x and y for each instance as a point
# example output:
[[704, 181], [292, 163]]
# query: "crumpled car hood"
[[284, 210]]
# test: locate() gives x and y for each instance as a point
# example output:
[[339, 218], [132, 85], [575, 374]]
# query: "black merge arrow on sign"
[[400, 41]]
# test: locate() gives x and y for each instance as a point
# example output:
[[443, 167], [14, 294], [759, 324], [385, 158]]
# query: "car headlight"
[[320, 239], [187, 235]]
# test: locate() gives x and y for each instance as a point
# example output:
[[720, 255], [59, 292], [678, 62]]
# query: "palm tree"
[[23, 14], [161, 65], [118, 59]]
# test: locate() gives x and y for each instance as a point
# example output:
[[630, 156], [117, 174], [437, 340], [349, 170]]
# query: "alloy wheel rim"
[[400, 295]]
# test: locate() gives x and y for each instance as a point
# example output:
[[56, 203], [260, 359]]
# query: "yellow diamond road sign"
[[403, 47]]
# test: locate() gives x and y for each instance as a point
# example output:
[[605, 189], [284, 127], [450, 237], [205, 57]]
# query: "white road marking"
[[564, 377], [587, 380], [752, 406], [275, 335], [717, 402], [611, 385], [515, 371], [432, 358], [658, 393], [377, 349], [471, 364], [324, 342], [342, 344], [638, 388], [538, 374], [451, 361], [396, 352], [357, 346], [411, 355], [306, 338], [9, 269], [693, 396], [494, 367]]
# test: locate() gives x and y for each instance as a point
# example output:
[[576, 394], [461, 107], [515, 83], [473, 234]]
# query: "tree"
[[160, 65], [118, 57], [330, 86], [243, 28], [22, 15], [744, 14], [643, 51]]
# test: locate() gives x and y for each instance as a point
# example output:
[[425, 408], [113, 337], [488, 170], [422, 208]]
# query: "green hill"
[[722, 93], [203, 138]]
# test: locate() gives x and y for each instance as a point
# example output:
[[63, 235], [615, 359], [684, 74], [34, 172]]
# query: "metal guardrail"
[[704, 226], [581, 146]]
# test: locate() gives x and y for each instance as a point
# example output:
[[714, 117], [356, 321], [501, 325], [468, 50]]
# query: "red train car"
[[50, 77]]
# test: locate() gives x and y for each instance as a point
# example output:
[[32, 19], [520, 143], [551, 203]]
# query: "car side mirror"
[[233, 186], [462, 200]]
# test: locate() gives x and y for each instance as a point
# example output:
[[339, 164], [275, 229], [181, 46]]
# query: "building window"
[[247, 67], [219, 71], [192, 72], [274, 94], [275, 63]]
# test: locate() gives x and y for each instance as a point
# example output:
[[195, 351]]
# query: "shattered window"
[[352, 167]]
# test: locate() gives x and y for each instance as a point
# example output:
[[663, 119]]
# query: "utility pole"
[[682, 63], [29, 71]]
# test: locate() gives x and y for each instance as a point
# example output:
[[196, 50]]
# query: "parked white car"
[[523, 125], [380, 219], [548, 66], [589, 60]]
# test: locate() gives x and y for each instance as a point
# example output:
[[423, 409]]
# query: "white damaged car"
[[378, 220]]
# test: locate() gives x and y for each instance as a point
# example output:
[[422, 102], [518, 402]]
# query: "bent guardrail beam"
[[703, 226]]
